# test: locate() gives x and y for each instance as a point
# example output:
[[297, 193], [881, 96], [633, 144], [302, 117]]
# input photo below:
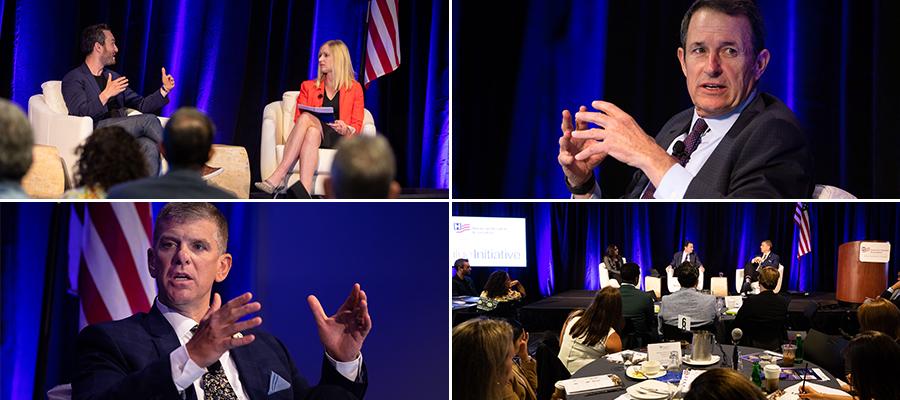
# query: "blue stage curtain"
[[231, 58], [725, 237], [831, 64], [281, 253]]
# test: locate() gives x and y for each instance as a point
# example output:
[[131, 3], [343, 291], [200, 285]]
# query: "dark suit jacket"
[[82, 96], [763, 318], [637, 310], [764, 155], [887, 296], [176, 184], [752, 270], [464, 287], [129, 359], [691, 258]]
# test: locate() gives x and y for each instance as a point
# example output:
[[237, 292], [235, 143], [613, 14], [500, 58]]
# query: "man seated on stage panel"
[[766, 258], [688, 301], [892, 293], [637, 309], [763, 318], [686, 255], [463, 285], [190, 344], [734, 142], [93, 90]]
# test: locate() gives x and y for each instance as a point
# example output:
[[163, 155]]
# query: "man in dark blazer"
[[734, 142], [186, 345], [637, 310], [766, 258], [686, 255], [892, 293], [763, 318], [92, 90], [188, 145]]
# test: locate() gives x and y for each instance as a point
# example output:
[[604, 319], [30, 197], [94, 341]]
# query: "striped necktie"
[[690, 144], [214, 382]]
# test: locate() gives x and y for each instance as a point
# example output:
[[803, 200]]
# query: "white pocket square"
[[277, 383]]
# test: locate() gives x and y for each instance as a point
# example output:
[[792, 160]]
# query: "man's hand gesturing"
[[218, 329]]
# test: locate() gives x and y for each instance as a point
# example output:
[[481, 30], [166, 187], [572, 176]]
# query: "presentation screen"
[[488, 241]]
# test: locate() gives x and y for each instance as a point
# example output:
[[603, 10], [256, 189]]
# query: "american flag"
[[801, 219], [383, 43], [460, 227], [108, 260]]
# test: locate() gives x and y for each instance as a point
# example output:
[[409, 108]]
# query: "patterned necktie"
[[214, 383], [690, 144]]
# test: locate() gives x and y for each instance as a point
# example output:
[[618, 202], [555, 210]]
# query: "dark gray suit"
[[691, 258], [176, 184], [764, 155]]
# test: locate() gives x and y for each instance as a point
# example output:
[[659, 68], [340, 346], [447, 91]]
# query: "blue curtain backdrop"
[[231, 58], [831, 64], [282, 253], [566, 241]]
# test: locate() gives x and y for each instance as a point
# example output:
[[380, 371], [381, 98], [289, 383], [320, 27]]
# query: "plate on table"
[[713, 359], [651, 390], [634, 372]]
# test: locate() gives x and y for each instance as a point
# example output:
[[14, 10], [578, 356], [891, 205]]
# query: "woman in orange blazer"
[[335, 86]]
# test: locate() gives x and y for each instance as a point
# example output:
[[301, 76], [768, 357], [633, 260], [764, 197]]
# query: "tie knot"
[[699, 126]]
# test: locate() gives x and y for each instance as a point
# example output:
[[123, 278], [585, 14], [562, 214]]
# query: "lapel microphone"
[[678, 149]]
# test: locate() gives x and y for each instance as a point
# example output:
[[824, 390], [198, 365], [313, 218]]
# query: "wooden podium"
[[857, 280]]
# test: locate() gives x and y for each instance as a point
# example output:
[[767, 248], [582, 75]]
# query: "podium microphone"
[[736, 336]]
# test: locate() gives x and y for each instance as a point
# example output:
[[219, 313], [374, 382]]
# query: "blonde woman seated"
[[336, 87], [482, 359], [590, 334]]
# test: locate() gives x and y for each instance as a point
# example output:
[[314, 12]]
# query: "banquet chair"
[[278, 120], [825, 351]]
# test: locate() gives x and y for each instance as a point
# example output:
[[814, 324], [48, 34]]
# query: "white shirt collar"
[[722, 124], [181, 324]]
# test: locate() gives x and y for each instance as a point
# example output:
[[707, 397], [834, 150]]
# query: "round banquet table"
[[601, 366]]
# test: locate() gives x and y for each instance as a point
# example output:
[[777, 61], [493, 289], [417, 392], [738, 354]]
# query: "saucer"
[[650, 390], [634, 372], [713, 359]]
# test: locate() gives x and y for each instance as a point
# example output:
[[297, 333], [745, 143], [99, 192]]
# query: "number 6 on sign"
[[684, 322]]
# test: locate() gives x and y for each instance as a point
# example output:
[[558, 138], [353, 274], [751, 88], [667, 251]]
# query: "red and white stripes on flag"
[[383, 43], [108, 260], [801, 219]]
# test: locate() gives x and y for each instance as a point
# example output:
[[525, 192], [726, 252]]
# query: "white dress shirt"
[[186, 372], [676, 180]]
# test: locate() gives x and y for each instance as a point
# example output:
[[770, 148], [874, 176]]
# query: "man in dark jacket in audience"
[[637, 310], [763, 317]]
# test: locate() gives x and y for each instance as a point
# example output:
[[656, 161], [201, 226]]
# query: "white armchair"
[[672, 282], [831, 192], [604, 276], [278, 120], [754, 287], [53, 126]]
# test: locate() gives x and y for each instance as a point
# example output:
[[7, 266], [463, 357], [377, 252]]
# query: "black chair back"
[[826, 351], [549, 368]]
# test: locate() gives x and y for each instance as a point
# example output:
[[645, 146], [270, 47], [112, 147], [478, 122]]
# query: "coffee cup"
[[650, 367], [772, 373]]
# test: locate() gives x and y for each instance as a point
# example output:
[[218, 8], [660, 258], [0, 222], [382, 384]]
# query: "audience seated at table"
[[763, 317], [637, 310], [723, 384], [524, 382], [872, 359], [482, 359], [613, 262], [688, 301], [590, 334], [16, 141], [879, 315], [106, 158], [463, 285], [500, 295]]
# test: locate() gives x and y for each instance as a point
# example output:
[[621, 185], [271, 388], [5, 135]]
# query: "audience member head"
[[98, 41], [109, 157], [765, 246], [612, 251], [334, 60], [16, 142], [723, 384], [188, 139], [517, 329], [871, 358], [687, 275], [688, 247], [363, 168], [631, 273], [482, 359], [605, 312], [879, 315], [497, 284], [768, 278], [462, 266]]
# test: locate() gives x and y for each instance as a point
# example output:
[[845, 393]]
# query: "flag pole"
[[361, 72], [40, 375]]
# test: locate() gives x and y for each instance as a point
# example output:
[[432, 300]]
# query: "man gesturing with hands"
[[192, 346]]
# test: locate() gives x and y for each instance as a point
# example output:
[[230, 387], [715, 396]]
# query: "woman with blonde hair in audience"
[[482, 359], [879, 315], [590, 334]]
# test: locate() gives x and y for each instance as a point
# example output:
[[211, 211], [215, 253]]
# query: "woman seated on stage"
[[482, 359], [613, 262], [336, 87], [879, 315], [590, 334], [500, 291], [523, 384], [870, 359]]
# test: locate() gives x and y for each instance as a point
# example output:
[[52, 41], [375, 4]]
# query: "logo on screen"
[[460, 227]]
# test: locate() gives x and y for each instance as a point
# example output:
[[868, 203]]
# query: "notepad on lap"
[[324, 114]]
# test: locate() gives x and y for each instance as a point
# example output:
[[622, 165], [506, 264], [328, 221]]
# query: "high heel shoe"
[[268, 187]]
